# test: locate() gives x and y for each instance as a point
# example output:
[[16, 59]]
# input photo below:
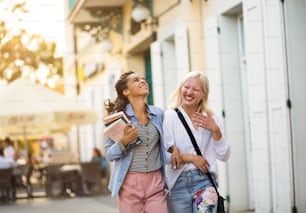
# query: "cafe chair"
[[54, 182], [6, 184], [72, 180], [22, 180], [91, 178]]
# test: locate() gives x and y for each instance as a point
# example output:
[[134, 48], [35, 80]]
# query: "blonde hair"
[[175, 99]]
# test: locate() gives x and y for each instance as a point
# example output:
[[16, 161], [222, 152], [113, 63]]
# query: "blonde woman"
[[187, 174]]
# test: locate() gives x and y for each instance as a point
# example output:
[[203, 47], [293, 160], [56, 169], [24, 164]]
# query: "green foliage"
[[23, 53]]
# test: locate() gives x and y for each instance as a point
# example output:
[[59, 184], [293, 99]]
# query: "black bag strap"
[[195, 145]]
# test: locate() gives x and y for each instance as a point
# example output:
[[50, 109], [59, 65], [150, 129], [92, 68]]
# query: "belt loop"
[[199, 172]]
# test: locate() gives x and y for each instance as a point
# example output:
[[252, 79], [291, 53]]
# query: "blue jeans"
[[180, 199]]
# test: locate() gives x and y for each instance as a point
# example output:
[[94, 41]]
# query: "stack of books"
[[114, 125]]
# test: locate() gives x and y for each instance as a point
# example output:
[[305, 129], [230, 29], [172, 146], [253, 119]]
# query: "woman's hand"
[[201, 163], [203, 121], [176, 157], [207, 122], [130, 134]]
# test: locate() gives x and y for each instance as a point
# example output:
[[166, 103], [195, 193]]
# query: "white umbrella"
[[28, 106]]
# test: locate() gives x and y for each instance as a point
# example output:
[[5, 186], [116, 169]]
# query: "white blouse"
[[174, 133]]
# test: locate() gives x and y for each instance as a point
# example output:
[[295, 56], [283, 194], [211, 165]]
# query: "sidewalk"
[[98, 204]]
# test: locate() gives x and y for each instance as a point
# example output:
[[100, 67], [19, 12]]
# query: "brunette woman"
[[137, 178]]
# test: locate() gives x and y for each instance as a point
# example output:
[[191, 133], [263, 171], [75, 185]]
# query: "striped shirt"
[[147, 154]]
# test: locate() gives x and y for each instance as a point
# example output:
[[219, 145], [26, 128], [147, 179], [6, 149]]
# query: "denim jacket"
[[122, 160]]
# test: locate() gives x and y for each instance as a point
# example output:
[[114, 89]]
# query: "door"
[[245, 107]]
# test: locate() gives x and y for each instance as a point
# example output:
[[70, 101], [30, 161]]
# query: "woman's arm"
[[113, 150], [176, 157], [199, 161]]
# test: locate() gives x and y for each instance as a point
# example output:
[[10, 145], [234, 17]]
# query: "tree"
[[23, 53]]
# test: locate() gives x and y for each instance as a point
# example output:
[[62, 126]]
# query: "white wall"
[[170, 61]]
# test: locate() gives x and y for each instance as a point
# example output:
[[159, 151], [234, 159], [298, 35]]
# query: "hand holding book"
[[131, 136], [117, 125]]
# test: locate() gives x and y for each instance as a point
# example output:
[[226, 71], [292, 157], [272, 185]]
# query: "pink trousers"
[[143, 193]]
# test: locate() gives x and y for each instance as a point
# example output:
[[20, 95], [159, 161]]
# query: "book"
[[114, 125], [115, 130], [115, 116]]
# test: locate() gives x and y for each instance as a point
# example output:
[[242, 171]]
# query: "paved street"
[[99, 204]]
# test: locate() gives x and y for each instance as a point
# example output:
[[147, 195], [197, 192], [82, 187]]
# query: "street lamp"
[[140, 13]]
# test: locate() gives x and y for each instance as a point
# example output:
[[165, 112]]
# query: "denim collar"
[[129, 111]]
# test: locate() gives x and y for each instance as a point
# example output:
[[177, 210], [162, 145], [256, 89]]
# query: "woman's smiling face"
[[192, 92], [137, 85]]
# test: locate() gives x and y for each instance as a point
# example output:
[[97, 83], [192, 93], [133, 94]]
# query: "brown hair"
[[121, 101], [97, 151], [8, 141]]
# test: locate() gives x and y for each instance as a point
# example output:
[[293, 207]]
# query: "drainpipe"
[[294, 207]]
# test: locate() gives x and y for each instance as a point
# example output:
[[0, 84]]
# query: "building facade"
[[259, 46], [253, 52]]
